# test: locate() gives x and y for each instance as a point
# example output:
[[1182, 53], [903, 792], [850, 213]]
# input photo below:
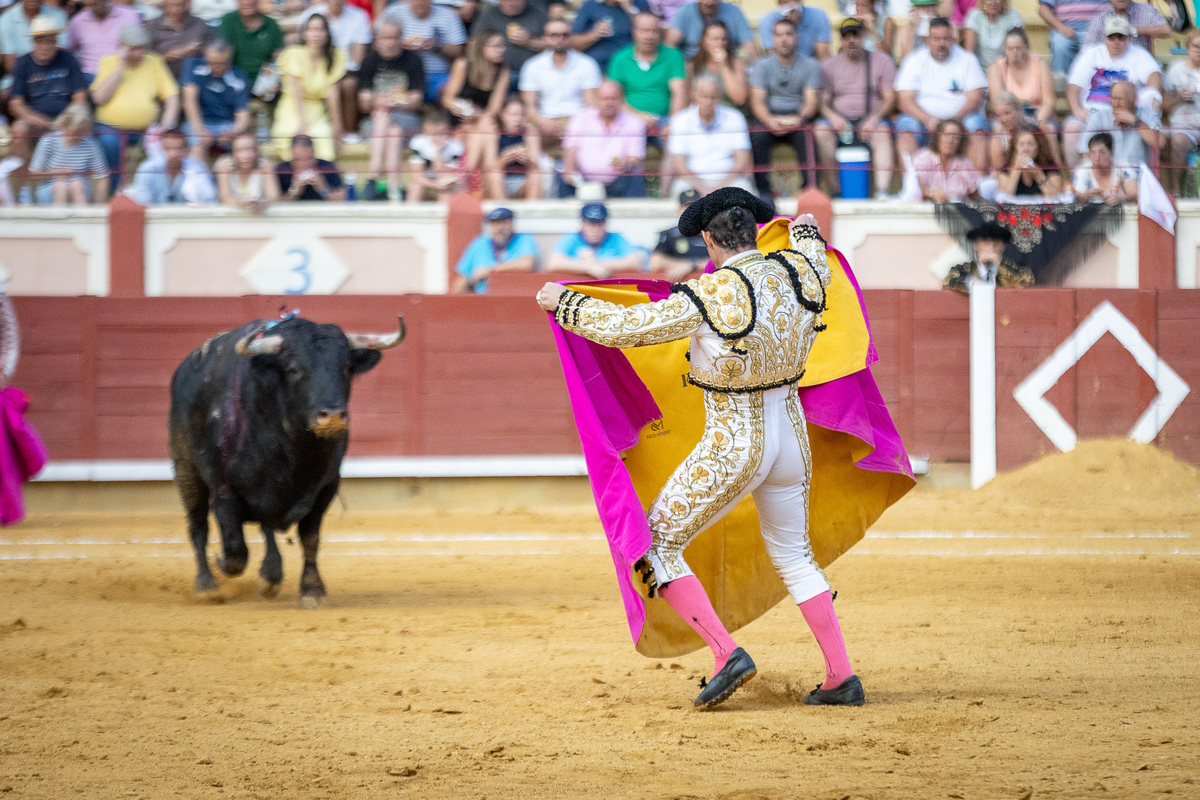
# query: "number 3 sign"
[[295, 264]]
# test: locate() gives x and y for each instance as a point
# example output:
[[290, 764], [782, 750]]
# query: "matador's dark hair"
[[733, 229]]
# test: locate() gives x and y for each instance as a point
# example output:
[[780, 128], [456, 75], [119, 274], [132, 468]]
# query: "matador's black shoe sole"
[[737, 670], [847, 693]]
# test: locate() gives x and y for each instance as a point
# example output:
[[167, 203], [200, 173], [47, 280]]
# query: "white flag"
[[910, 189], [1153, 201]]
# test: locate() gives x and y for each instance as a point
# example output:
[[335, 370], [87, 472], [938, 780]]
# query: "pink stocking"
[[819, 614], [687, 597]]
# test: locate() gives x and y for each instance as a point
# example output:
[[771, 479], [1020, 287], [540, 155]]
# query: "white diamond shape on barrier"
[[1105, 318]]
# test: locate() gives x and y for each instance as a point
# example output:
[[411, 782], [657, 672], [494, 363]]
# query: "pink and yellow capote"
[[638, 418]]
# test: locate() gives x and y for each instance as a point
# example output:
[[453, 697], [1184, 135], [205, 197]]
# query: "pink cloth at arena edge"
[[22, 454]]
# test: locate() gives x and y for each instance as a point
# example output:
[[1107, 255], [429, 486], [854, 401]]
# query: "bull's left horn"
[[378, 341], [255, 345]]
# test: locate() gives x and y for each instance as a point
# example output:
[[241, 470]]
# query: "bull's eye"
[[294, 372]]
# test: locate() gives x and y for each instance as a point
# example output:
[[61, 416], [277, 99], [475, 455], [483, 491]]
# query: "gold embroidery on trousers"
[[714, 473]]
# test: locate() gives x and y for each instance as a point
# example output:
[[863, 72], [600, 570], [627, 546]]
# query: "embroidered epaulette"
[[804, 277], [725, 300]]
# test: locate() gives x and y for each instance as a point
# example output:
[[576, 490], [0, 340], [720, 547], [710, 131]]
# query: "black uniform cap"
[[696, 217], [991, 232]]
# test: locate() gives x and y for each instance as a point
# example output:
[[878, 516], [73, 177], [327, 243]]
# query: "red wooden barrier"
[[478, 375]]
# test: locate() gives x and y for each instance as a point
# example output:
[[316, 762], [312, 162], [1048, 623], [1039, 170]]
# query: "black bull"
[[258, 429]]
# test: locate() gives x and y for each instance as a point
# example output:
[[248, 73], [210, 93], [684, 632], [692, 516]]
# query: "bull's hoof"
[[231, 566], [268, 589], [206, 589], [311, 602]]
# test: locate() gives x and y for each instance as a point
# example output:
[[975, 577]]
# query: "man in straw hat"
[[751, 325], [46, 81], [16, 25]]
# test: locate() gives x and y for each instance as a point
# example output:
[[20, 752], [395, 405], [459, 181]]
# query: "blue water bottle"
[[351, 187]]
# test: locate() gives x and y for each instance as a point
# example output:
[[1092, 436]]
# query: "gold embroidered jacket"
[[751, 322]]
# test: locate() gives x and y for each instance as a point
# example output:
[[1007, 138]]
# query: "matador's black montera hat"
[[696, 217]]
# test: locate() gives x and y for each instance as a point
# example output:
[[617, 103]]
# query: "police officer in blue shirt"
[[594, 250], [502, 250]]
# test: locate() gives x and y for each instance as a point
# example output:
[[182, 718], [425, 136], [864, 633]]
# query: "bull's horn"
[[378, 341], [256, 345]]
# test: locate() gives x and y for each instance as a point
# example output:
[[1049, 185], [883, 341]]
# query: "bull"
[[258, 429]]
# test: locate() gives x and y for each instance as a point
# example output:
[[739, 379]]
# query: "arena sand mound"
[[1101, 485]]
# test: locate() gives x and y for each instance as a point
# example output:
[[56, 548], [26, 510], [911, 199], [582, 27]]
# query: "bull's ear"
[[363, 360]]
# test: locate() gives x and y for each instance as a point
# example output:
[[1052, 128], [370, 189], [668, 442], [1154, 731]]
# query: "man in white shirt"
[[709, 146], [350, 29], [436, 34], [559, 82], [941, 82], [1089, 86]]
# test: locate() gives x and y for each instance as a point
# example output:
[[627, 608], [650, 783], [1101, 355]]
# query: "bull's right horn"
[[378, 341], [255, 344]]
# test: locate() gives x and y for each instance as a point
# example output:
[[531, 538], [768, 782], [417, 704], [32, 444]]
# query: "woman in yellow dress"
[[309, 102]]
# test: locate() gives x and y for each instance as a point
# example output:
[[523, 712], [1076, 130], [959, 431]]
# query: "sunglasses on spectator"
[[1117, 36]]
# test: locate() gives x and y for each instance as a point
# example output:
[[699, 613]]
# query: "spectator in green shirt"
[[653, 75], [654, 78], [256, 38]]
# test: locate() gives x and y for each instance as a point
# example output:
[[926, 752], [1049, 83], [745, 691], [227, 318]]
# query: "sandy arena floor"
[[1034, 639]]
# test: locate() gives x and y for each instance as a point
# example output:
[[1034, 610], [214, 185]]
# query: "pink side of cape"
[[22, 454]]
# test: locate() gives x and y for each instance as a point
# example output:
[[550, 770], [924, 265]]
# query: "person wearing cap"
[[813, 32], [594, 250], [988, 241], [857, 102], [178, 35], [750, 326], [500, 251], [785, 97], [46, 81], [1145, 24], [605, 144], [1089, 86], [941, 82], [95, 32], [676, 255], [16, 33], [131, 91]]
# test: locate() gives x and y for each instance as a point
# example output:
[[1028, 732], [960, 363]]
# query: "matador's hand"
[[549, 295], [805, 219]]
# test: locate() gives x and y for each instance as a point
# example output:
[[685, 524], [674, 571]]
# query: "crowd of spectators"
[[250, 102]]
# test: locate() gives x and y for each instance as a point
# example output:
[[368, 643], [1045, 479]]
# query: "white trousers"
[[754, 443]]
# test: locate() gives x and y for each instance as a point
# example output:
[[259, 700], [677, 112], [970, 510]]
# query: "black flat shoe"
[[737, 670], [848, 693]]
